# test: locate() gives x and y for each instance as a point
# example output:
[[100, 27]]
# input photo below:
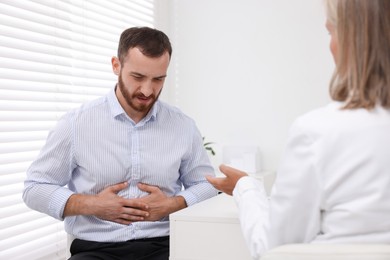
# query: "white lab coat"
[[333, 184]]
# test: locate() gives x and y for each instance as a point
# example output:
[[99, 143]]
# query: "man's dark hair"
[[151, 42]]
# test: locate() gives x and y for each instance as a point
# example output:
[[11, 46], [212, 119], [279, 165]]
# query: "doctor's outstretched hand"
[[226, 184]]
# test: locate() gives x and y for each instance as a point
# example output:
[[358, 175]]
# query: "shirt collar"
[[115, 106], [117, 109]]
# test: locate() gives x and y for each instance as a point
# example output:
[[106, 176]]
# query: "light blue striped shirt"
[[98, 145]]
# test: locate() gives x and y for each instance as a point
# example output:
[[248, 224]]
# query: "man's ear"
[[116, 65]]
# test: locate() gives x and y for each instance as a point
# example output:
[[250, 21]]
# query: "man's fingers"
[[134, 214], [147, 188], [136, 203], [127, 220], [122, 221], [117, 187], [131, 214]]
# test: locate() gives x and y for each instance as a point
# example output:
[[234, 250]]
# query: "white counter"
[[209, 230]]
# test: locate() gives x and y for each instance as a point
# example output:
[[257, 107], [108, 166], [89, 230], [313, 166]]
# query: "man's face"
[[140, 81]]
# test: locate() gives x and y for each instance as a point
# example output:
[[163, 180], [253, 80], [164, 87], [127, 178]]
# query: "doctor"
[[333, 184]]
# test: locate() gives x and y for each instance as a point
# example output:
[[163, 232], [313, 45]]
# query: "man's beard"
[[130, 98]]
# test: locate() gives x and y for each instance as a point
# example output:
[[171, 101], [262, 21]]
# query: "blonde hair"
[[362, 74]]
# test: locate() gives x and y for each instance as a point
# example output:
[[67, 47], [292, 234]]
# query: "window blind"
[[54, 55]]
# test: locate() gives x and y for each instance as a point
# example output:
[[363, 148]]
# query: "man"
[[114, 168]]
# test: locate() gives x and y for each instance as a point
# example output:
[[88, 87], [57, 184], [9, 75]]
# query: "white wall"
[[244, 69]]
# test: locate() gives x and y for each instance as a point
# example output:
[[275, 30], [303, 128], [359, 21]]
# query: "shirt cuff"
[[189, 197], [58, 201]]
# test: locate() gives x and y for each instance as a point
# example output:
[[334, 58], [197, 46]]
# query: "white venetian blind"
[[54, 55]]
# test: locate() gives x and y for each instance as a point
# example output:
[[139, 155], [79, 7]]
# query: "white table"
[[209, 230]]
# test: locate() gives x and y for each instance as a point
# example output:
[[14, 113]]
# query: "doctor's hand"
[[226, 184]]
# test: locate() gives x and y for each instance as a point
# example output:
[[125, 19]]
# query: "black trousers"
[[141, 249]]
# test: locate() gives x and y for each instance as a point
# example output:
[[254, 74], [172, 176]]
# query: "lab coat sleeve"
[[252, 203], [292, 214]]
